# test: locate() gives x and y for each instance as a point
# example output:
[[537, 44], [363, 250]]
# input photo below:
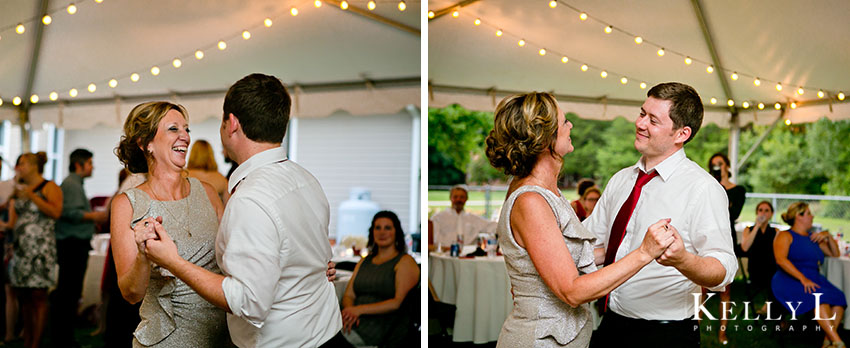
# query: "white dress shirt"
[[273, 249], [448, 224], [698, 207]]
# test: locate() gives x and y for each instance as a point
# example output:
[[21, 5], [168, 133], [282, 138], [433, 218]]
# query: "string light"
[[584, 67], [793, 105], [499, 32], [713, 100], [643, 85], [47, 19], [624, 80], [779, 86], [268, 22], [222, 45], [787, 122], [609, 29], [840, 95], [317, 3], [177, 63], [730, 102], [761, 106], [1, 101], [477, 22], [16, 101], [820, 93], [661, 52], [155, 70], [583, 16], [800, 91], [402, 6], [20, 29], [431, 14], [688, 60], [564, 59], [343, 5], [553, 4], [777, 106], [734, 76], [709, 69], [371, 5], [72, 9], [134, 77], [73, 93], [638, 40], [521, 43], [246, 35], [293, 11], [98, 1], [757, 82], [603, 74], [746, 105], [92, 87], [34, 98], [455, 13], [54, 96], [542, 52], [199, 54], [113, 83]]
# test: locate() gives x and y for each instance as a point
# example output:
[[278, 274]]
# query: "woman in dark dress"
[[718, 166], [798, 254], [758, 245], [381, 281]]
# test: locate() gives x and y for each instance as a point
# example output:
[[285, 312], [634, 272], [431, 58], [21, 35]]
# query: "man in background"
[[455, 221]]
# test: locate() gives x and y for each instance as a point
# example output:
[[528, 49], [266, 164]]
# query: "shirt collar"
[[667, 166], [277, 154], [76, 177]]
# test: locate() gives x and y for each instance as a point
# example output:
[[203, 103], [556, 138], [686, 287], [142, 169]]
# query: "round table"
[[479, 288], [837, 271]]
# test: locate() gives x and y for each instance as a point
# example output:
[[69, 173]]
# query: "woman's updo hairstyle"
[[793, 210], [525, 126], [139, 130], [38, 159]]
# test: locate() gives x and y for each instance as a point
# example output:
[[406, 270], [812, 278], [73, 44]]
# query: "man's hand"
[[350, 318], [675, 253], [658, 238], [162, 250], [331, 272]]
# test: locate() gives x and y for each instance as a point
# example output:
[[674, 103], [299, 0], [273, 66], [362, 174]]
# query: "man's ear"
[[233, 124], [682, 135]]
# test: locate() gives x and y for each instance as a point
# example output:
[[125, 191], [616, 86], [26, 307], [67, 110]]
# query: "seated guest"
[[455, 221], [201, 165], [798, 254], [581, 188], [758, 244], [585, 204], [371, 312]]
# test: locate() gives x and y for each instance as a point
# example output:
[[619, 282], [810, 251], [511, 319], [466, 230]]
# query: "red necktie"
[[618, 230]]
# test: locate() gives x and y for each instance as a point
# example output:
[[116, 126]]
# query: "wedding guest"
[[757, 243], [455, 223], [202, 165], [579, 205], [586, 202]]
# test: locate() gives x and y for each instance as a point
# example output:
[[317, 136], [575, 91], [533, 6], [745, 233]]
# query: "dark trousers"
[[338, 341], [72, 255], [617, 331]]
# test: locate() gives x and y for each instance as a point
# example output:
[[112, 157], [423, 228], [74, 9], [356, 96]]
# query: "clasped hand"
[[659, 236], [154, 242]]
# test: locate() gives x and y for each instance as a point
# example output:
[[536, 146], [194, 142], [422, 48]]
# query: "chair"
[[441, 316]]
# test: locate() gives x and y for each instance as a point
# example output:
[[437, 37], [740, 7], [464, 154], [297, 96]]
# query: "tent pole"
[[734, 138], [23, 116], [760, 139], [446, 10]]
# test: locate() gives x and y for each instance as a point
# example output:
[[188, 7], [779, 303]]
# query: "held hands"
[[675, 253], [331, 272], [350, 318], [162, 250], [144, 230], [808, 285], [658, 238]]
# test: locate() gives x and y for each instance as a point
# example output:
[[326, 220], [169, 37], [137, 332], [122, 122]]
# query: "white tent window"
[[49, 139]]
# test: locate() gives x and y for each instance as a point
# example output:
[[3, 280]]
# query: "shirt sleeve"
[[597, 222], [72, 194], [251, 260], [712, 236]]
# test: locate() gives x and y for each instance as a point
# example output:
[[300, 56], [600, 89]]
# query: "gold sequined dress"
[[174, 315]]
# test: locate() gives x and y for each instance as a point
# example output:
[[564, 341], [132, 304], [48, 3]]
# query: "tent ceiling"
[[798, 43], [116, 38]]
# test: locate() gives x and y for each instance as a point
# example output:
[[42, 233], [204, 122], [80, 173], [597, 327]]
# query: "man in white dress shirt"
[[655, 307], [455, 221], [272, 245]]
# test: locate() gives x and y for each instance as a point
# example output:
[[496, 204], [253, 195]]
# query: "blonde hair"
[[139, 130], [202, 157], [793, 210], [590, 190], [525, 126]]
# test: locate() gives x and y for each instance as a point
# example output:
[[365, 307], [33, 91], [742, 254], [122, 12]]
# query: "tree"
[[454, 133], [587, 137], [618, 151]]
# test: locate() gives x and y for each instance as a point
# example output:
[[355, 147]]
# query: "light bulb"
[[92, 87], [371, 5], [317, 3], [777, 106], [98, 1], [499, 32], [113, 83], [293, 11], [820, 93], [456, 13], [155, 70], [624, 80], [688, 60], [343, 5], [609, 29], [746, 105], [709, 69], [787, 122], [638, 40], [73, 93], [603, 74], [582, 16], [47, 19], [643, 85], [730, 102], [134, 77], [1, 101], [793, 105], [553, 4], [564, 59], [660, 52], [72, 9], [222, 45], [20, 29], [779, 86], [734, 76], [199, 54], [477, 21], [177, 63], [584, 67], [268, 22], [761, 106], [34, 98], [246, 35], [757, 82], [542, 51], [402, 6], [713, 100], [840, 95], [16, 101], [521, 43], [54, 96], [800, 91], [431, 14]]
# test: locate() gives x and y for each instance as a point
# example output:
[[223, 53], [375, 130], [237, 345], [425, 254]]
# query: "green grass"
[[496, 199]]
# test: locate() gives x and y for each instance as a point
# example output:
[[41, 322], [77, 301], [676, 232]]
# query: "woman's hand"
[[821, 237], [350, 318], [144, 230], [808, 285], [658, 237]]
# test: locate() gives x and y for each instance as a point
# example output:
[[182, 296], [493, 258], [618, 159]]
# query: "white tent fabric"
[[795, 43]]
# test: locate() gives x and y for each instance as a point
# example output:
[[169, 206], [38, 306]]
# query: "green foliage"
[[587, 138], [456, 134], [618, 151]]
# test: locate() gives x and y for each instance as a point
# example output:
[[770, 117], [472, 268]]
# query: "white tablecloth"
[[480, 289], [837, 271], [91, 281]]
